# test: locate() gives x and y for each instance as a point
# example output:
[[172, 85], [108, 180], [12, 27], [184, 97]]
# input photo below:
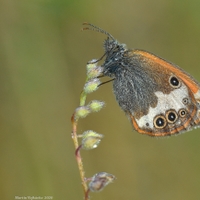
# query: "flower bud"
[[91, 140], [94, 72], [82, 112], [100, 181], [91, 64], [96, 105], [91, 85]]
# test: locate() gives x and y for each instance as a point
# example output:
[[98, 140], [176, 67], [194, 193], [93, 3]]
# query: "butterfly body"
[[158, 97]]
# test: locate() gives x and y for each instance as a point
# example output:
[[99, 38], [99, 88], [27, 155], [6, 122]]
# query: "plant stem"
[[78, 156]]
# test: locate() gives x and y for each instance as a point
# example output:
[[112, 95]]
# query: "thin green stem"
[[83, 97]]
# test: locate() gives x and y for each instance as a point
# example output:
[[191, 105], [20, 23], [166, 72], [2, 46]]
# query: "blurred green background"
[[43, 55]]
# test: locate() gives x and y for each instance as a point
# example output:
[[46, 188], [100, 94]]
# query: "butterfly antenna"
[[95, 28]]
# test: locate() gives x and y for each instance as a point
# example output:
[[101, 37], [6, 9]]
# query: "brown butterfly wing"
[[177, 107]]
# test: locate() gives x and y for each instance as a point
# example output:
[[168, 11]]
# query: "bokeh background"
[[43, 54]]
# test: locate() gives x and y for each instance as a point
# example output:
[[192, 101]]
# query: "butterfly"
[[159, 97]]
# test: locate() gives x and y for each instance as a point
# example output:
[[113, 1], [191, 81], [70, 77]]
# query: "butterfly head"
[[114, 51]]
